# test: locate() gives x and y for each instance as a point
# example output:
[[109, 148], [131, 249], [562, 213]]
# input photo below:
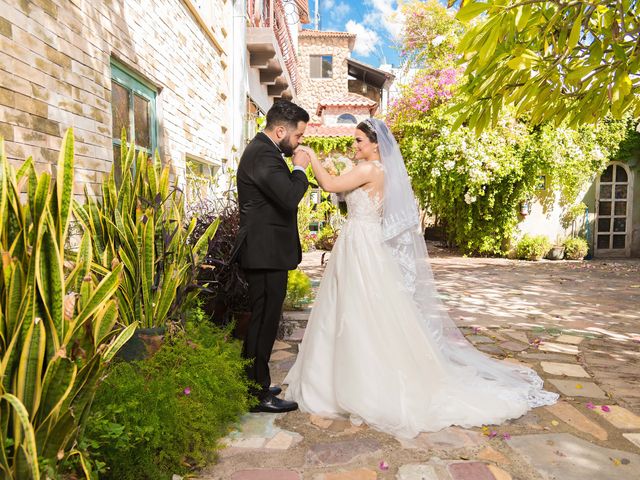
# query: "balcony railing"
[[271, 14]]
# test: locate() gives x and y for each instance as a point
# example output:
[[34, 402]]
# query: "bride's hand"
[[304, 149]]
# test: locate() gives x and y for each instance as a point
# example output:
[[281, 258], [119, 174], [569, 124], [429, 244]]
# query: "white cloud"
[[366, 40], [387, 14], [340, 11], [328, 3]]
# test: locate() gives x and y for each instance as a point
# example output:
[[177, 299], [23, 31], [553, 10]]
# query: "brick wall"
[[55, 73]]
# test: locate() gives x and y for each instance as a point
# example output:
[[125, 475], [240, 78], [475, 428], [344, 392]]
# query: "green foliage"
[[474, 185], [327, 145], [532, 247], [326, 238], [58, 320], [298, 290], [166, 415], [575, 248], [431, 35], [573, 61], [139, 222]]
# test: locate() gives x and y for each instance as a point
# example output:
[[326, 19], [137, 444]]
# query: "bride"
[[379, 345]]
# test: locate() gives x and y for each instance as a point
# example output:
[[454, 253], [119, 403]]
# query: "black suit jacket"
[[268, 193]]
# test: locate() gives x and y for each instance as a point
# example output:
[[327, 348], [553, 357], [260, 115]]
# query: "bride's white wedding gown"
[[365, 354]]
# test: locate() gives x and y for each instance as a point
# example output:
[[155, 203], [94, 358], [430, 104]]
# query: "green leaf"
[[574, 36], [120, 340], [57, 385], [471, 10], [64, 186], [101, 294], [31, 450]]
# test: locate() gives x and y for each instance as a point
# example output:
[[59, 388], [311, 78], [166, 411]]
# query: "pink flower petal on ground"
[[492, 434], [384, 465], [187, 391], [506, 436], [605, 408], [590, 406]]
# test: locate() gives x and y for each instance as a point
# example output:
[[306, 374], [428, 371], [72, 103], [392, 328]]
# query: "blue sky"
[[376, 22]]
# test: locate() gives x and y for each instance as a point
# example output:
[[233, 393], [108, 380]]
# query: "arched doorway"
[[614, 194]]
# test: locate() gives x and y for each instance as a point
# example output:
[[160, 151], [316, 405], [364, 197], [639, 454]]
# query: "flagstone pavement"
[[576, 323]]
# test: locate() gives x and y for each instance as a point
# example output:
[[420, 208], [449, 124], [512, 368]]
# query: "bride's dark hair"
[[367, 128]]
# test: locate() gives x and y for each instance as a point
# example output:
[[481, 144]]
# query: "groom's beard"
[[286, 147]]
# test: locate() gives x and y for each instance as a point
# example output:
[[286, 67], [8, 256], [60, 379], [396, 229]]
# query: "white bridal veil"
[[401, 232]]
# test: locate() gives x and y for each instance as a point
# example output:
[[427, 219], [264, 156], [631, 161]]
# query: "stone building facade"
[[314, 89], [63, 63]]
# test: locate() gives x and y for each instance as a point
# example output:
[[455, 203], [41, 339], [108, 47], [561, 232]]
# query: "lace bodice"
[[363, 204]]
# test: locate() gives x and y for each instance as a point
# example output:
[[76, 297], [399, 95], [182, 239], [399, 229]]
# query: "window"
[[347, 118], [201, 179], [133, 106], [321, 66]]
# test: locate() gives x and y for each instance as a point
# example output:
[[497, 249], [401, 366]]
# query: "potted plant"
[[576, 248], [556, 252], [532, 247]]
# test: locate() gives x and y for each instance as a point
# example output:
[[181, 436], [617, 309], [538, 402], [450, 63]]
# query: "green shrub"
[[139, 222], [165, 415], [326, 238], [532, 247], [298, 290], [58, 320], [575, 248]]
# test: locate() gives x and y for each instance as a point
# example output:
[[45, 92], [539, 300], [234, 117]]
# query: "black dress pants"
[[267, 289]]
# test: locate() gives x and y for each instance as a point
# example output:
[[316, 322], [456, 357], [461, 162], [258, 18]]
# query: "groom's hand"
[[300, 158]]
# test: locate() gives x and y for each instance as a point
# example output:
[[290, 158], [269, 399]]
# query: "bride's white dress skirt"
[[365, 354]]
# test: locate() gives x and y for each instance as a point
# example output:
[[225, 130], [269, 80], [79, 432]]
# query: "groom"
[[268, 244]]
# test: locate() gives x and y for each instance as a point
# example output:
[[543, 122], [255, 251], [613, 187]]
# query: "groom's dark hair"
[[285, 113]]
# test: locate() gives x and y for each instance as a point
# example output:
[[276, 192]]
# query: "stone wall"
[[55, 73], [312, 90], [330, 114]]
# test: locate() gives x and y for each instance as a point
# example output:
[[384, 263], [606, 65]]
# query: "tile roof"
[[319, 130], [325, 33], [347, 100]]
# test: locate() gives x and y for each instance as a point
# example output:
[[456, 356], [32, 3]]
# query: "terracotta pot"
[[556, 253], [144, 343]]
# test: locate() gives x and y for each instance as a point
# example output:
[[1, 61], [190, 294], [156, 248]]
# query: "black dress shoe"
[[275, 391], [271, 404]]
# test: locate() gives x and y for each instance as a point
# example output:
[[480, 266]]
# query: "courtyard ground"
[[576, 323]]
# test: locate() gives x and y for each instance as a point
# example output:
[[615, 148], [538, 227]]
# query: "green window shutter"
[[133, 106]]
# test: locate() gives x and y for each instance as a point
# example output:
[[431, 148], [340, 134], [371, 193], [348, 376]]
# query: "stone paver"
[[568, 369], [278, 345], [570, 339], [564, 457], [449, 438], [265, 475], [578, 388], [570, 415], [514, 346], [341, 453], [558, 348], [359, 474], [492, 455], [321, 422], [280, 355], [470, 471], [413, 471], [633, 438], [498, 473], [479, 339], [619, 417]]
